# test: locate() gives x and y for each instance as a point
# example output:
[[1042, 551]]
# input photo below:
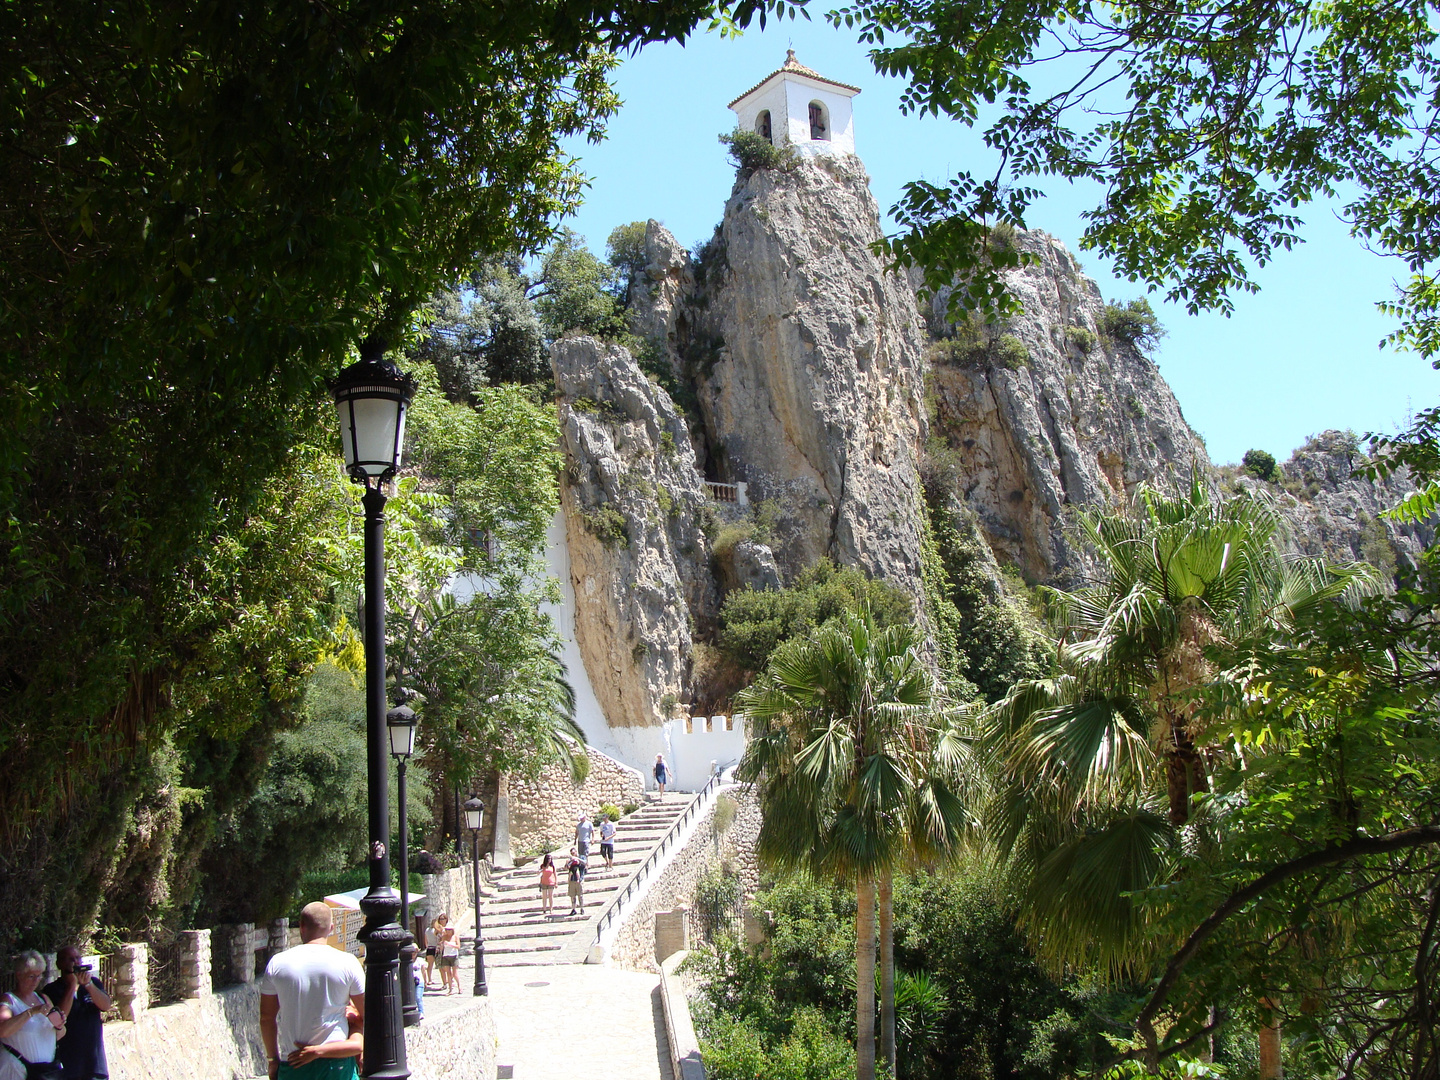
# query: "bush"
[[971, 1000], [730, 536], [750, 151], [974, 343], [1010, 352], [1002, 236], [1259, 464], [610, 810], [725, 810], [423, 862], [735, 1050], [607, 525], [753, 624], [1133, 324], [1081, 337], [1002, 642]]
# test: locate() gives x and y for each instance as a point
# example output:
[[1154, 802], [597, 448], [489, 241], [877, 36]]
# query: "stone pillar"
[[132, 980], [242, 952], [500, 855], [279, 936], [755, 926], [672, 932], [758, 925], [195, 963]]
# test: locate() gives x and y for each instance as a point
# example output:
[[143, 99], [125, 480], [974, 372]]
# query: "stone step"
[[523, 948], [534, 928], [517, 935], [622, 868], [525, 960]]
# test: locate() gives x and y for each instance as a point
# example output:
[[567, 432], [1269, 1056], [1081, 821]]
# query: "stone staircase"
[[518, 935]]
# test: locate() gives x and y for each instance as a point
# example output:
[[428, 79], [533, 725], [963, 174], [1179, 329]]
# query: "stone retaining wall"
[[217, 1037], [633, 946], [452, 892], [543, 813], [679, 1029]]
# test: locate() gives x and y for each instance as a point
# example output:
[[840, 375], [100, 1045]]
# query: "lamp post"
[[474, 818], [400, 722], [370, 398]]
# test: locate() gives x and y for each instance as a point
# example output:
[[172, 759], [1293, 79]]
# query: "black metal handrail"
[[618, 900]]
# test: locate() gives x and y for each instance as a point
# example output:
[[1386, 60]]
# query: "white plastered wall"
[[798, 95], [689, 753], [788, 98]]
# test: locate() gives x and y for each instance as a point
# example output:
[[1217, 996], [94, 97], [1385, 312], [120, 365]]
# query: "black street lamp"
[[400, 722], [370, 398], [474, 818]]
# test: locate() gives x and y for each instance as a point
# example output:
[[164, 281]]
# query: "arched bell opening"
[[762, 126], [819, 122]]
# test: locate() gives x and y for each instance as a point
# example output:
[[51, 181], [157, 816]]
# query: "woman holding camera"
[[29, 1024]]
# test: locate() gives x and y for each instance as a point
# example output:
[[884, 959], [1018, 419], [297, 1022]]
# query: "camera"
[[83, 969]]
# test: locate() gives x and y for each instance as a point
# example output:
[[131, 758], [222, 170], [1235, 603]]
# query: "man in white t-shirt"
[[303, 1000]]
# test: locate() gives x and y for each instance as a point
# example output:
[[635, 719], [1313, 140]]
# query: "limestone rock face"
[[1069, 417], [753, 566], [807, 360], [657, 294], [634, 507], [1332, 513]]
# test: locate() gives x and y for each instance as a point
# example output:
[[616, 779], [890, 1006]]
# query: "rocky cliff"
[[635, 508], [799, 365], [1058, 407], [806, 358], [1330, 512]]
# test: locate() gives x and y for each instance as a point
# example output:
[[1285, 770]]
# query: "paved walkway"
[[580, 1020]]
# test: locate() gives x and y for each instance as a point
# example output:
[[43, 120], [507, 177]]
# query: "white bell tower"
[[796, 107]]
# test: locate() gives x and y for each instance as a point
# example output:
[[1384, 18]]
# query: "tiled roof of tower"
[[795, 68]]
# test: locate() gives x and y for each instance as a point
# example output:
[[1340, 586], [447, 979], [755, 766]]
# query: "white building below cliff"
[[796, 107]]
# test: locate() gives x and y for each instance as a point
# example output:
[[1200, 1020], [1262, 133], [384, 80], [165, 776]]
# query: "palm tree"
[[847, 755], [1097, 766]]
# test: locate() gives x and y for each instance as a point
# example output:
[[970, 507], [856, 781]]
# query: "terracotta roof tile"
[[794, 67]]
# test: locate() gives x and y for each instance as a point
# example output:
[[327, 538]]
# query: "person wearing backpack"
[[575, 877]]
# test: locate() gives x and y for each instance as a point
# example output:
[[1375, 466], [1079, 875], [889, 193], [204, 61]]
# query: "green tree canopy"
[[204, 209], [754, 623], [1208, 129], [574, 290], [625, 251], [849, 764], [1081, 808]]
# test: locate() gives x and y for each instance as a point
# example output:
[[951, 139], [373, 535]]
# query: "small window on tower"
[[762, 126], [819, 129]]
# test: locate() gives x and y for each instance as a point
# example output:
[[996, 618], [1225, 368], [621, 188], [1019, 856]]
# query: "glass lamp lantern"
[[400, 722], [474, 814], [371, 397]]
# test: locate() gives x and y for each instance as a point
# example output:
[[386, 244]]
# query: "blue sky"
[[1297, 358]]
